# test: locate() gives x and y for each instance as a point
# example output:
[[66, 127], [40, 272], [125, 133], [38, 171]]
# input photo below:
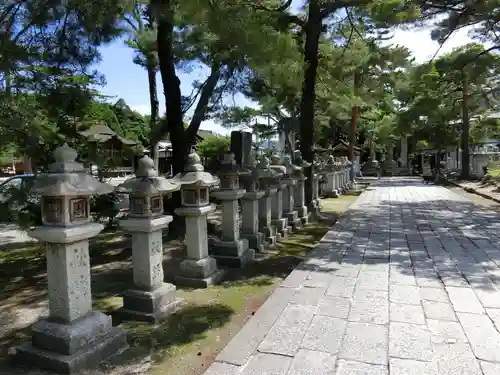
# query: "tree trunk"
[[202, 105], [154, 106], [171, 87], [354, 118], [465, 173], [313, 29], [173, 103]]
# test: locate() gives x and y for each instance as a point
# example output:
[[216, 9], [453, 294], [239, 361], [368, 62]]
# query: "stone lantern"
[[250, 205], [279, 222], [198, 269], [330, 169], [316, 201], [151, 299], [269, 179], [300, 196], [290, 179], [231, 250], [73, 337]]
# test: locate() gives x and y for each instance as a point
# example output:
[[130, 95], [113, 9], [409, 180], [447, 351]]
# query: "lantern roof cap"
[[264, 169], [194, 173], [147, 181], [67, 177]]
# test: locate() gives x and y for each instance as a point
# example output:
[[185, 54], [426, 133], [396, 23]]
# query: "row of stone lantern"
[[74, 336], [337, 176]]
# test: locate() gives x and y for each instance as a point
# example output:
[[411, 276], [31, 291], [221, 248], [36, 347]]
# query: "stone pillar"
[[250, 205], [404, 151], [236, 146], [151, 299], [299, 191], [73, 338], [198, 269], [277, 218], [331, 174], [231, 250], [479, 161], [268, 179]]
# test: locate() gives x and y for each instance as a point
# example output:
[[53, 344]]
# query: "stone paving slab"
[[407, 282]]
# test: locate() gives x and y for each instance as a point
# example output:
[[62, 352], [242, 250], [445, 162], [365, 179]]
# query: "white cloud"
[[143, 109], [422, 47]]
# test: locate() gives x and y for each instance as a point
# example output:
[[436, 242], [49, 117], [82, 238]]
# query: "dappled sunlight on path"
[[407, 281]]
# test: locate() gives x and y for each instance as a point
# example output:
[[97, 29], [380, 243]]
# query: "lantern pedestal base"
[[333, 194], [255, 241], [73, 347], [149, 306], [199, 273], [233, 254], [315, 208], [293, 220], [281, 226], [269, 233], [303, 214]]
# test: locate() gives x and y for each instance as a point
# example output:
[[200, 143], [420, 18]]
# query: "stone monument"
[[231, 250], [250, 205], [269, 180], [330, 169], [279, 222], [151, 299], [299, 190], [198, 269], [73, 337], [316, 175]]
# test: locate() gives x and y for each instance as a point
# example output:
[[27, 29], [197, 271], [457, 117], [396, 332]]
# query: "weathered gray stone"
[[464, 300], [308, 362], [372, 280], [365, 342], [446, 332], [494, 315], [245, 343], [308, 296], [409, 341], [406, 313], [285, 336], [296, 278], [490, 368], [359, 368], [336, 307], [404, 294], [454, 359], [317, 279], [439, 310], [411, 367], [369, 310], [267, 364], [434, 294], [218, 368], [483, 337], [324, 334], [341, 287], [402, 275]]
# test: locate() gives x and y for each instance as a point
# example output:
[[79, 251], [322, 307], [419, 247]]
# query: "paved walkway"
[[406, 283]]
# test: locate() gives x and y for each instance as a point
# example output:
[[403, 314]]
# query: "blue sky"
[[129, 81]]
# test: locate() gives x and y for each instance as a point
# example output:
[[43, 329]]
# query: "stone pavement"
[[406, 283]]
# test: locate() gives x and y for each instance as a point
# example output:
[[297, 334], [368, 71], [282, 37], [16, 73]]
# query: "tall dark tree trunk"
[[313, 30], [354, 119], [465, 173], [173, 103], [171, 85], [202, 105], [154, 106]]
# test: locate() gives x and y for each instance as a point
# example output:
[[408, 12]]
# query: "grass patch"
[[189, 340]]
